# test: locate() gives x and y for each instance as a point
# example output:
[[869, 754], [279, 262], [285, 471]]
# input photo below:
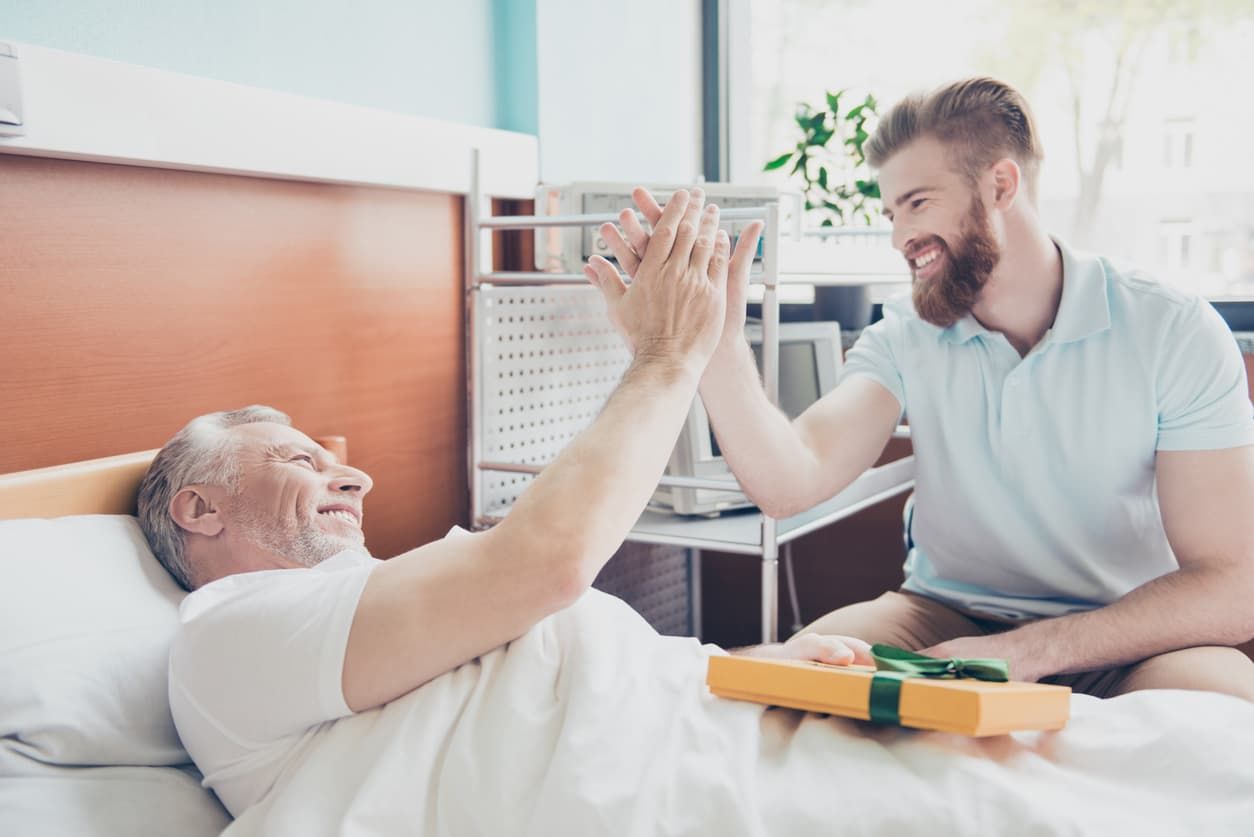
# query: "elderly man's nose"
[[352, 480]]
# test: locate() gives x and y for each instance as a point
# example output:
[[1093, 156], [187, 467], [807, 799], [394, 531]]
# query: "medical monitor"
[[810, 360]]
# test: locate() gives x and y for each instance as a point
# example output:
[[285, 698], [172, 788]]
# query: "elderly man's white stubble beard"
[[301, 542]]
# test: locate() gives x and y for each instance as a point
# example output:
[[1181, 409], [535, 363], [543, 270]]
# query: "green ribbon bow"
[[895, 664]]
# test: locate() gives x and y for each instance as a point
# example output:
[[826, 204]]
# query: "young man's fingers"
[[605, 276], [665, 232], [746, 248], [648, 206], [622, 250], [703, 250], [633, 230]]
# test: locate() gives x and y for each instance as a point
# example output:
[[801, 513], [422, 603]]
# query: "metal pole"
[[770, 304], [770, 379], [471, 245], [770, 580]]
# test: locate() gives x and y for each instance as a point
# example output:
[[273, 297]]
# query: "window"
[[1137, 113], [1178, 144]]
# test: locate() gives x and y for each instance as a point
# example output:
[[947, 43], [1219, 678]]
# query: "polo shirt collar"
[[1085, 306], [1083, 311]]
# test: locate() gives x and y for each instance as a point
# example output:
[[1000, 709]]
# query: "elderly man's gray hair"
[[199, 454]]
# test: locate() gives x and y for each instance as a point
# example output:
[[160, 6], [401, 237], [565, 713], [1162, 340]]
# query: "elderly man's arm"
[[432, 609], [1205, 497]]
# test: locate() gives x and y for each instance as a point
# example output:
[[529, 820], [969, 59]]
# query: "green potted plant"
[[838, 187], [837, 184]]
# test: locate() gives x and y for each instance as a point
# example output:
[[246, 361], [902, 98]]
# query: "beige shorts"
[[915, 622]]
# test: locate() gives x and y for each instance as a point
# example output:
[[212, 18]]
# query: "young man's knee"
[[1207, 668]]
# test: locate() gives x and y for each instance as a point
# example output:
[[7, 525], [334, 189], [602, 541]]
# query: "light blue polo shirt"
[[1035, 476]]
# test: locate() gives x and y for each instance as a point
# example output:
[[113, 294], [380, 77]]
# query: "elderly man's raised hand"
[[676, 304], [632, 240]]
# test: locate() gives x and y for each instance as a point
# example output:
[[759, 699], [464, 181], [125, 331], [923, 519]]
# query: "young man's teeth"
[[924, 261]]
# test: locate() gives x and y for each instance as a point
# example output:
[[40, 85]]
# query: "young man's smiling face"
[[941, 226]]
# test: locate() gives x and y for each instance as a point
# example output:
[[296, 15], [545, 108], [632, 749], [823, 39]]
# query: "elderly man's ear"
[[196, 511]]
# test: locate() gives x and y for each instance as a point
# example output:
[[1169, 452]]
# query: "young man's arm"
[[784, 467], [434, 608], [1205, 498]]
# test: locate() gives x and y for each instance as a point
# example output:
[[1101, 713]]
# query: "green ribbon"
[[895, 665]]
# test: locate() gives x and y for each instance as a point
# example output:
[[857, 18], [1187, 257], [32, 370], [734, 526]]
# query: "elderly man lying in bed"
[[475, 685]]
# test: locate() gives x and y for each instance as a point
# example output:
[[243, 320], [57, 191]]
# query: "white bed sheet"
[[592, 724]]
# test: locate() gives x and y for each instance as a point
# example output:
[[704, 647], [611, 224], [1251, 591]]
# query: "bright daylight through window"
[[1141, 107]]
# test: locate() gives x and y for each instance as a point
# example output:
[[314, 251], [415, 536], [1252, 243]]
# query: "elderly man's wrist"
[[670, 359]]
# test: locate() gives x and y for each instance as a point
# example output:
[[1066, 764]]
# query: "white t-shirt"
[[256, 670]]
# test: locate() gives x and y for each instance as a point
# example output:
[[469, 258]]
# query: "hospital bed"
[[87, 745]]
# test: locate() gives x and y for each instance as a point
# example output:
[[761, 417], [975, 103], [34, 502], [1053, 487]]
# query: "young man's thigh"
[[1207, 668], [903, 619]]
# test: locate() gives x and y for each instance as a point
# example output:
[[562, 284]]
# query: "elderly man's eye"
[[304, 457]]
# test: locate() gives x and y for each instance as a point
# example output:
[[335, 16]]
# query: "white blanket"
[[593, 724]]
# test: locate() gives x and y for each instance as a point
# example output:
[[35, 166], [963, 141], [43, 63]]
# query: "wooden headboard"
[[108, 485], [137, 298]]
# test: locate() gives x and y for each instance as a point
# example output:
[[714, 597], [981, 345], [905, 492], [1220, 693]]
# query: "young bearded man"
[[1083, 434]]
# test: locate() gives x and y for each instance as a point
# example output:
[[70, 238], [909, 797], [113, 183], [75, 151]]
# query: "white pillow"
[[105, 801], [86, 618]]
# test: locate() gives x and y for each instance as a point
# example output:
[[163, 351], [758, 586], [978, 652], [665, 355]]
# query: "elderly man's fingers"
[[648, 206], [622, 250], [718, 263], [665, 232], [633, 230], [696, 202], [861, 650], [703, 250], [605, 276], [828, 649]]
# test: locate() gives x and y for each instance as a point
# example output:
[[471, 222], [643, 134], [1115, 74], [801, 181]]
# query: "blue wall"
[[514, 41], [422, 57]]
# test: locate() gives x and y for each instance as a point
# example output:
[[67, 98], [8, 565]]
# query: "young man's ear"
[[1007, 178], [195, 511]]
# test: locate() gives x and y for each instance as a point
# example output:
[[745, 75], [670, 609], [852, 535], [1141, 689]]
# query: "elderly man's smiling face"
[[294, 501]]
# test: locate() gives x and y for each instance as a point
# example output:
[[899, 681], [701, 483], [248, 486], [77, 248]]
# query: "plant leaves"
[[870, 188], [779, 161]]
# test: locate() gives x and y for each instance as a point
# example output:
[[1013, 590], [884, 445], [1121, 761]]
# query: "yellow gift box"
[[969, 707]]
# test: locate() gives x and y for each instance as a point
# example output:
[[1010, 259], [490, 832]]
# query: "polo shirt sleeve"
[[1203, 397], [874, 356]]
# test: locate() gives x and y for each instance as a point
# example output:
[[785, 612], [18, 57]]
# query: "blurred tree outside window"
[[1141, 106]]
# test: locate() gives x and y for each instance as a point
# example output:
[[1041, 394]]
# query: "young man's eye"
[[917, 202]]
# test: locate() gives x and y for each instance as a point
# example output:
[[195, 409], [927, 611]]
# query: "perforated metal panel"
[[657, 581], [546, 360]]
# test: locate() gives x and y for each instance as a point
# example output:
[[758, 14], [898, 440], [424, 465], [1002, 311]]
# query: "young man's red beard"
[[950, 295]]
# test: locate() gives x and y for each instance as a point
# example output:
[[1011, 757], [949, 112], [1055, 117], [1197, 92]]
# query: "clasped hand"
[[679, 303]]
